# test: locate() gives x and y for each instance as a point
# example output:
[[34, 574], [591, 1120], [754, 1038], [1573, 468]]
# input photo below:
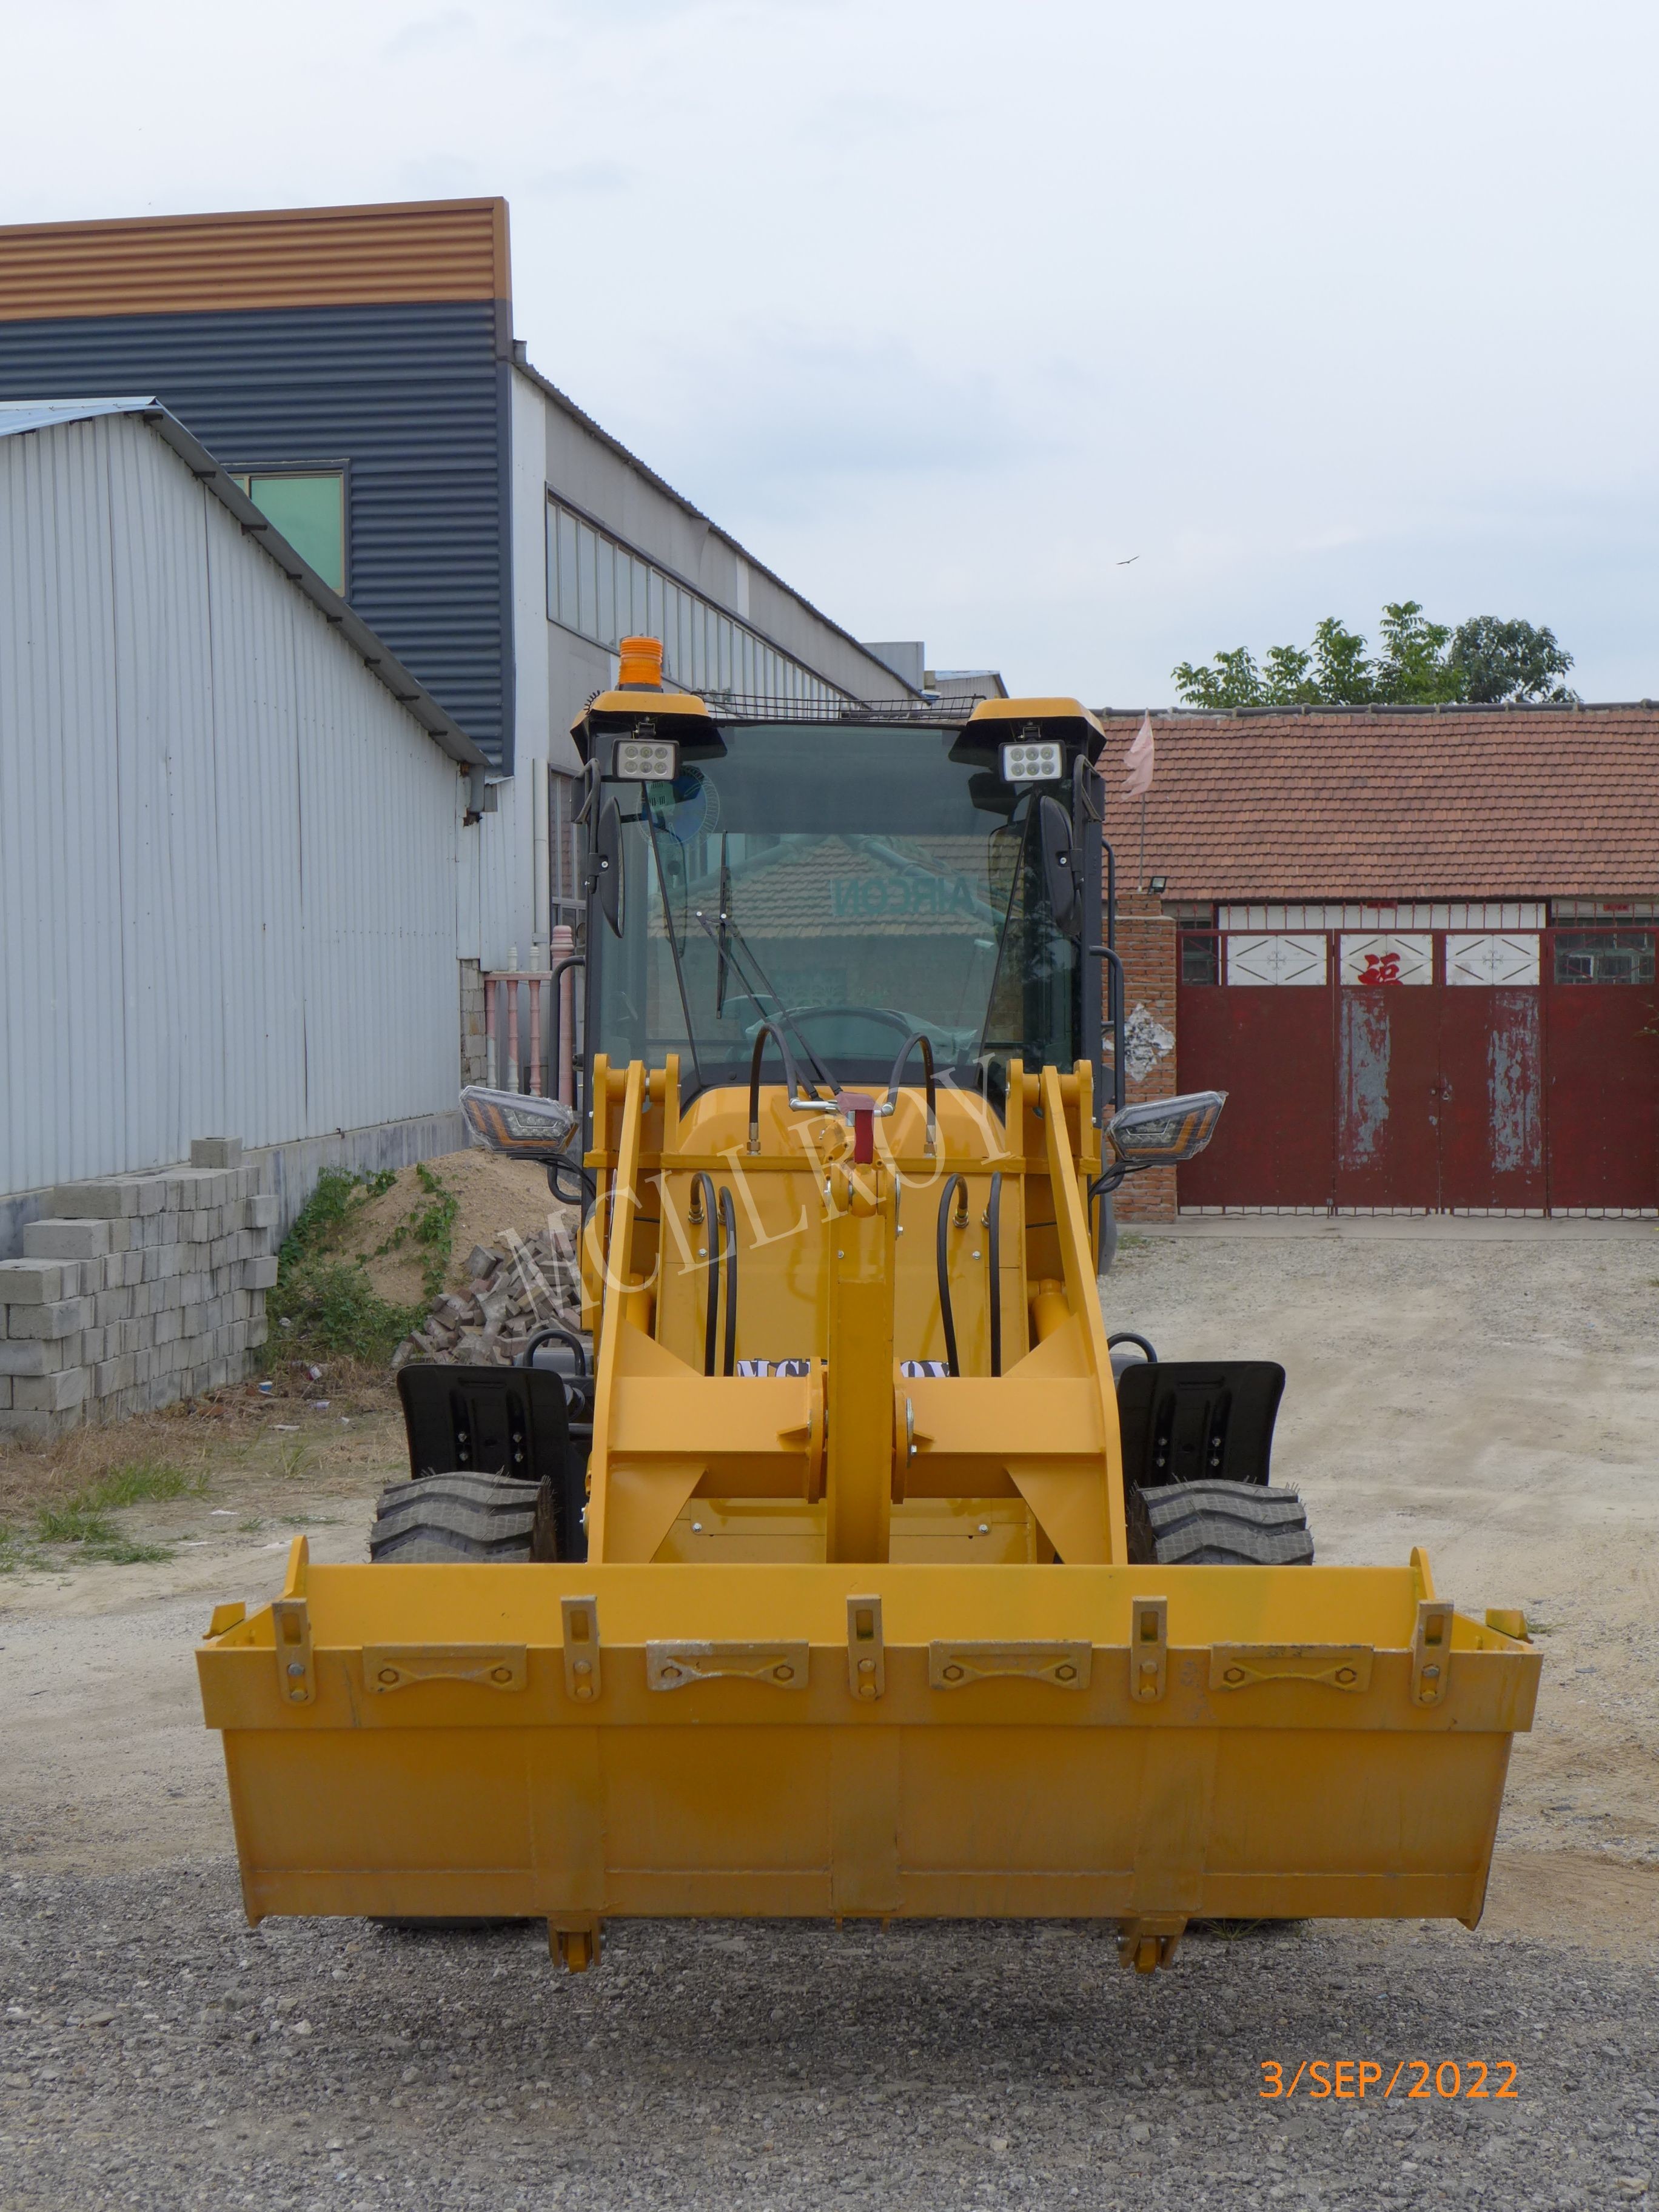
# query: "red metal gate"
[[1432, 1070]]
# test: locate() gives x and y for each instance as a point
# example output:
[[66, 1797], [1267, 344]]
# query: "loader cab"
[[852, 874]]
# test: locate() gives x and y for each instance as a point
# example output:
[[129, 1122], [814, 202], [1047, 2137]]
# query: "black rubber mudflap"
[[1226, 1524], [448, 1517]]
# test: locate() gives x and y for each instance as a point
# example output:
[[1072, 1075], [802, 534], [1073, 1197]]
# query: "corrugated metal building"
[[231, 826], [356, 368]]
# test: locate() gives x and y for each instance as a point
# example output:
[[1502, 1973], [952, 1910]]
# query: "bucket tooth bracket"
[[582, 1648], [291, 1617], [866, 1656], [1431, 1652], [1149, 1648]]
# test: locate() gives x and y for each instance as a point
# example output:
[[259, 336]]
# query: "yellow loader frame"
[[823, 1658]]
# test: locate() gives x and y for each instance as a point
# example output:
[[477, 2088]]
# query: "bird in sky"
[[1130, 562]]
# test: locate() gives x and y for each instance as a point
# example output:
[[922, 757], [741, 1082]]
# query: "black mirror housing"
[[1059, 866], [606, 865]]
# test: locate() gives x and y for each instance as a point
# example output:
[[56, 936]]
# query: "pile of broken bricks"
[[513, 1289]]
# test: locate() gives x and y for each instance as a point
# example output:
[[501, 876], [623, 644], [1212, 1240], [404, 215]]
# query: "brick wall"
[[1148, 944], [135, 1290], [475, 1058]]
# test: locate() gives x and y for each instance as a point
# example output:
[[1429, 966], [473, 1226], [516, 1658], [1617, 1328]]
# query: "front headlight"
[[514, 1122], [1161, 1132]]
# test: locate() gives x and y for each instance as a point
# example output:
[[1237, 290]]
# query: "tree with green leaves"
[[1422, 663]]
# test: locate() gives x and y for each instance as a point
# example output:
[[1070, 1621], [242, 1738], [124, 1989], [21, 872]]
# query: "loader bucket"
[[1139, 1745]]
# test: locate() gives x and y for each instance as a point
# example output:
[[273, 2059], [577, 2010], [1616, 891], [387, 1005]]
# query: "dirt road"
[[1487, 1389]]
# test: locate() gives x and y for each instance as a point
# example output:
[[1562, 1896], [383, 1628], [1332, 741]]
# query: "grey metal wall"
[[227, 856], [412, 398]]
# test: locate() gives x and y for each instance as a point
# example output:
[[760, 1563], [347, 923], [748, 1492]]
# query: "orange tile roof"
[[1463, 802]]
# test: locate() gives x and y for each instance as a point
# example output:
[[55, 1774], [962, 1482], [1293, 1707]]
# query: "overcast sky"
[[947, 308]]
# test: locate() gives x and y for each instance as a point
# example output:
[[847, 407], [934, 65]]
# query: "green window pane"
[[310, 512]]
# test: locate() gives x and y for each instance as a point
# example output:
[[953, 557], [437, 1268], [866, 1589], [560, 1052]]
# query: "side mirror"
[[1058, 865], [514, 1122], [1161, 1132], [607, 865]]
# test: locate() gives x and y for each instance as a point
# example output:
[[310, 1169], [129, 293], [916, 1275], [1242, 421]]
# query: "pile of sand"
[[494, 1196]]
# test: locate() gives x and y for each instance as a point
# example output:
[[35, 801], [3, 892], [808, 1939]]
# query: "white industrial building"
[[231, 827], [289, 657]]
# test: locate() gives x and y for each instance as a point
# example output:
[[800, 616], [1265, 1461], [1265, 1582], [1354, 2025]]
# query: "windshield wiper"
[[732, 945]]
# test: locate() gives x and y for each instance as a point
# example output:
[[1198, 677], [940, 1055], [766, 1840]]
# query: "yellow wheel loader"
[[846, 1562]]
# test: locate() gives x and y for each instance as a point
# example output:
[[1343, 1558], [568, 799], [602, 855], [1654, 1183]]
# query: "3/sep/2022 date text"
[[1447, 2078]]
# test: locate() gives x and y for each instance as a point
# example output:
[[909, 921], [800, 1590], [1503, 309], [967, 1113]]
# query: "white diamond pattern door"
[[1281, 959], [1488, 960]]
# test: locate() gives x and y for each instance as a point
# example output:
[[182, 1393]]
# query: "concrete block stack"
[[135, 1290]]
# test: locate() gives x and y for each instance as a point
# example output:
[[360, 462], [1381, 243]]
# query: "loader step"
[[454, 1516], [1198, 1524]]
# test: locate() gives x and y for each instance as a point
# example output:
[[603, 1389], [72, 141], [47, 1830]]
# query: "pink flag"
[[1138, 761]]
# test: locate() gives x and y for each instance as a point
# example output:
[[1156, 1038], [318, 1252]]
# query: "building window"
[[1603, 955], [1199, 961], [605, 592], [309, 509], [563, 874]]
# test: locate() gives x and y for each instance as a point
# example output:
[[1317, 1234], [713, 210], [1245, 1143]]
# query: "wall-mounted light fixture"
[[1157, 885]]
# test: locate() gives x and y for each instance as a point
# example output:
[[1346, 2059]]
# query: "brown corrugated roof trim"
[[406, 251], [1386, 803]]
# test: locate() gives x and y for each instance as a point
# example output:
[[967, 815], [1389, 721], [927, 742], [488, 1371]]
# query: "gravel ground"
[[156, 2053], [1492, 1392]]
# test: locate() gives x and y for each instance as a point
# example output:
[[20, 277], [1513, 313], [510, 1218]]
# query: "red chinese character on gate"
[[1381, 968]]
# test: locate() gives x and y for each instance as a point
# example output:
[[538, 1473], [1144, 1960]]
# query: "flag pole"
[[1140, 872]]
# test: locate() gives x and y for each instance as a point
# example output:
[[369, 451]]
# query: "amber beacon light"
[[642, 665]]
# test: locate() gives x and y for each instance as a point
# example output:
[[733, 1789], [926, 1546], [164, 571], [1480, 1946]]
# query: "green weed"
[[431, 1228], [120, 1552], [249, 1527], [326, 1213], [142, 1480], [77, 1523], [330, 1308], [325, 1306], [84, 1519]]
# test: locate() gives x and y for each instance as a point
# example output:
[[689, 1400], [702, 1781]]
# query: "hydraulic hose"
[[729, 1245], [703, 1190], [917, 1037], [993, 1229], [953, 1184], [791, 1085]]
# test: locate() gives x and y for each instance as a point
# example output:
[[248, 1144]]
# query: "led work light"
[[645, 760], [1033, 760]]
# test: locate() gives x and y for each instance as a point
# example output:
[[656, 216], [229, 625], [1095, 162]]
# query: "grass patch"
[[84, 1519], [77, 1523], [139, 1481], [120, 1552], [324, 1306]]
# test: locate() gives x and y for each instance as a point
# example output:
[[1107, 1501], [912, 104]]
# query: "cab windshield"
[[851, 885]]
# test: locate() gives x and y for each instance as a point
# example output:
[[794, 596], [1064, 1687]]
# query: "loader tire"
[[444, 1518], [1222, 1524]]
